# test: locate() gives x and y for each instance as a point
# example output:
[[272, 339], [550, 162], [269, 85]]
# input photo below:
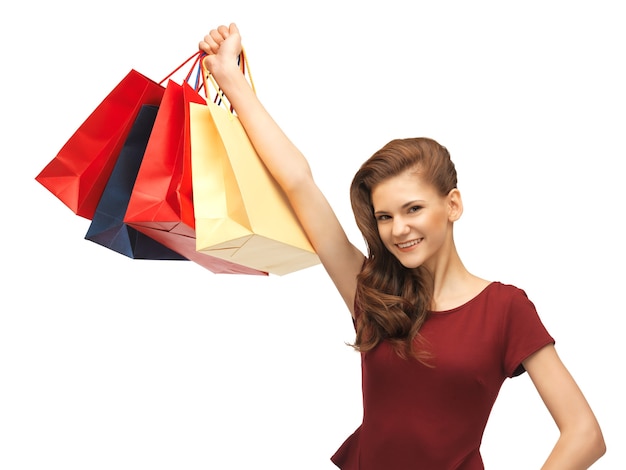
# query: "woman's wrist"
[[229, 78], [225, 70]]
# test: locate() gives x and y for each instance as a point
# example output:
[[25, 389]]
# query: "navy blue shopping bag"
[[107, 226]]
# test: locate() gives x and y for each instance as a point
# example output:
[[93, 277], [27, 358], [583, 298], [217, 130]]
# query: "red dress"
[[420, 418]]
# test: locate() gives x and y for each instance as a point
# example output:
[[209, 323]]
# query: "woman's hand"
[[222, 46]]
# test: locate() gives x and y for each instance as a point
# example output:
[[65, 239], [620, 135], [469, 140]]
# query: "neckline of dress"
[[464, 304]]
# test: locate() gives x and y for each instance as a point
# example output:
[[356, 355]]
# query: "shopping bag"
[[78, 174], [241, 213], [107, 227], [161, 204]]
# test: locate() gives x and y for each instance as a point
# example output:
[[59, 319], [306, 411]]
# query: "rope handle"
[[195, 57], [220, 97]]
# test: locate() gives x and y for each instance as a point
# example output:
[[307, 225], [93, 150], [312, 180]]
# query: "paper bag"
[[107, 227], [78, 173], [241, 213]]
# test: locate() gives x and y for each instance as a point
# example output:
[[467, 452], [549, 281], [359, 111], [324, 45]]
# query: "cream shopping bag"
[[241, 213]]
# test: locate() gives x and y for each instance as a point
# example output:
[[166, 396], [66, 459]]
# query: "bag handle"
[[195, 57], [220, 97]]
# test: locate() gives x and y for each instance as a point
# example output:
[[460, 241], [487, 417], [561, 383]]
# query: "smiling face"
[[411, 185], [415, 221]]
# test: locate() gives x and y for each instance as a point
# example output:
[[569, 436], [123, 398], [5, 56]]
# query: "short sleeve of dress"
[[523, 332]]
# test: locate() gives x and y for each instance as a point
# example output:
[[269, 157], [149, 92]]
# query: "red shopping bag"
[[79, 172], [161, 203]]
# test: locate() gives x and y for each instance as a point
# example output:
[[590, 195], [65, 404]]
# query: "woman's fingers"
[[211, 42], [216, 37]]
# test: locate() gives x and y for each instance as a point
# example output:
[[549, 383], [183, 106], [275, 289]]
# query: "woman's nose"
[[400, 227]]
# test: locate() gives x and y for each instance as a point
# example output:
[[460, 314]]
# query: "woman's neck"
[[453, 284]]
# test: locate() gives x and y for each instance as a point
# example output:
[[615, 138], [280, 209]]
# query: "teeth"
[[407, 244]]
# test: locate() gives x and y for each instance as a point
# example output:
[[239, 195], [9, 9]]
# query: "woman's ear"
[[455, 205]]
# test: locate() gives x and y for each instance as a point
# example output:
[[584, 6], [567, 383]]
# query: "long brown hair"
[[392, 300]]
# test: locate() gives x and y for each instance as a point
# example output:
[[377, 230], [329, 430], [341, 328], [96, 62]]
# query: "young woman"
[[436, 341]]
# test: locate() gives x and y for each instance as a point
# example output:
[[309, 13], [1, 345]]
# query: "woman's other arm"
[[580, 443]]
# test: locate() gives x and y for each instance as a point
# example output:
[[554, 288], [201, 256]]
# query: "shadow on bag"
[[107, 227]]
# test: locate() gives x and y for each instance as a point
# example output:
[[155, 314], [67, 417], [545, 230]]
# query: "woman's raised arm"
[[341, 259]]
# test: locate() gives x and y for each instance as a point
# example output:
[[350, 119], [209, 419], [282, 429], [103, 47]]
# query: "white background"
[[107, 362]]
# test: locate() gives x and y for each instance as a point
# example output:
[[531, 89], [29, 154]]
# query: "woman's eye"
[[415, 208], [383, 217]]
